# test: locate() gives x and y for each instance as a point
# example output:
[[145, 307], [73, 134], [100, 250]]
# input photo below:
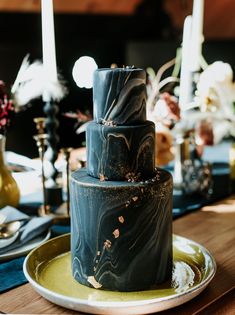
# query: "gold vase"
[[9, 190]]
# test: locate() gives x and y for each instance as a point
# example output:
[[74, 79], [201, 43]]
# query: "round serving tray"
[[48, 269]]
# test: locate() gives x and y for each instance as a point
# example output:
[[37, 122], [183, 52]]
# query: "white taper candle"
[[197, 34], [185, 73], [48, 43]]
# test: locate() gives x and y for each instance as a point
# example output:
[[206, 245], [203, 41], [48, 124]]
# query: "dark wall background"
[[75, 36], [105, 38], [145, 39]]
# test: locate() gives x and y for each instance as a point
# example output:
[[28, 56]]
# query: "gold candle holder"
[[40, 124], [41, 140], [232, 161], [182, 154]]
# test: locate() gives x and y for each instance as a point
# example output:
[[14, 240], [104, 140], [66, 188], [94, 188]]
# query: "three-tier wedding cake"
[[121, 205]]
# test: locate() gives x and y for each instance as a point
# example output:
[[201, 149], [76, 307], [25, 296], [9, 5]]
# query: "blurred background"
[[143, 33]]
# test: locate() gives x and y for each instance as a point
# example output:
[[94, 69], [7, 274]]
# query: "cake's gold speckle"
[[102, 177], [132, 177], [110, 123], [135, 198], [116, 233], [127, 203], [107, 244], [121, 219], [93, 282]]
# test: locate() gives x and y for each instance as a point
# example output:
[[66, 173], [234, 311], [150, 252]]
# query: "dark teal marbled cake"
[[119, 95], [120, 152], [121, 231], [121, 207]]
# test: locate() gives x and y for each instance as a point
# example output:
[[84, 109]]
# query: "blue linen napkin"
[[11, 214], [34, 227], [11, 272]]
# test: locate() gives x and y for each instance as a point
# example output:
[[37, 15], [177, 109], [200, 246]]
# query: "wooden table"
[[213, 227]]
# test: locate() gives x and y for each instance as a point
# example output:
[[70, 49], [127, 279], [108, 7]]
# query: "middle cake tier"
[[120, 152]]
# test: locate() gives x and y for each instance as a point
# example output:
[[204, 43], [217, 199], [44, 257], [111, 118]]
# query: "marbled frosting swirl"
[[119, 96], [120, 152], [122, 238]]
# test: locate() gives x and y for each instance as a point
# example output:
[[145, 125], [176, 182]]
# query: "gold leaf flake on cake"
[[116, 233], [102, 177], [107, 244], [109, 122], [132, 177], [121, 219], [127, 204], [93, 282], [135, 198]]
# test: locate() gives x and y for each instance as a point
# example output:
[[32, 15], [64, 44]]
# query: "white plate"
[[26, 248], [194, 269], [7, 241]]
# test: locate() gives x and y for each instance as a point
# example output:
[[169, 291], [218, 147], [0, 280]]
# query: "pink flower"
[[204, 132], [172, 105], [6, 109], [166, 110]]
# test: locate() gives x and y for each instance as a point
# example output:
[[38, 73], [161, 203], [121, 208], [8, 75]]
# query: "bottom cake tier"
[[121, 232]]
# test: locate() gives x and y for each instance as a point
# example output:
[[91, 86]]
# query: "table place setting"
[[19, 233], [25, 233]]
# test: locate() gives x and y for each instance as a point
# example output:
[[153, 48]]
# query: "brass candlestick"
[[182, 155], [41, 140], [40, 124]]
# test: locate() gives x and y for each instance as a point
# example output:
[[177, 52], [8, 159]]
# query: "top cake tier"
[[119, 96]]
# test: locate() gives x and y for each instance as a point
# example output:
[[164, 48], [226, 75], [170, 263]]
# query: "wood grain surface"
[[212, 226]]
